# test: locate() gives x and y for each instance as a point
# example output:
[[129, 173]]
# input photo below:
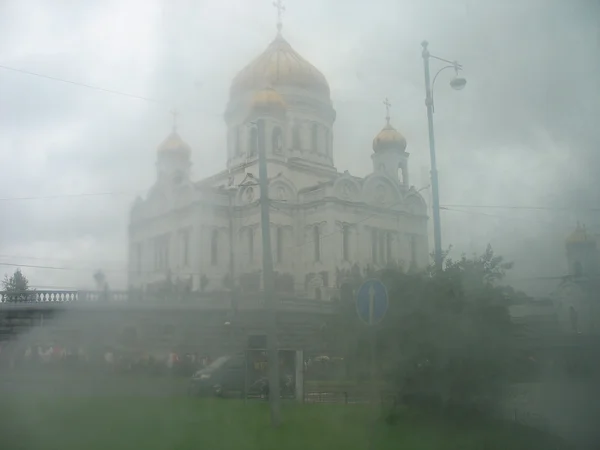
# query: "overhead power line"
[[445, 207], [68, 260], [59, 196], [540, 208], [34, 266], [84, 85], [154, 101]]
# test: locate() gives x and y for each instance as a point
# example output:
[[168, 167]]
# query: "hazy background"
[[524, 132]]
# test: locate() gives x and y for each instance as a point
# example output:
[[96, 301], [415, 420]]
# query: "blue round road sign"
[[372, 302]]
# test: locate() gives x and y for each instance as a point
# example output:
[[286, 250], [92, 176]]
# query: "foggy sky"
[[523, 132]]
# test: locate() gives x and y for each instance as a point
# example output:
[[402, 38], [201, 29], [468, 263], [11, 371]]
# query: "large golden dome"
[[268, 100], [389, 138], [279, 65]]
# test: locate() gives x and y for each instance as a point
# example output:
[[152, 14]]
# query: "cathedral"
[[206, 235]]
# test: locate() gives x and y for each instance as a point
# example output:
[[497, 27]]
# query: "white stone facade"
[[322, 221], [576, 297]]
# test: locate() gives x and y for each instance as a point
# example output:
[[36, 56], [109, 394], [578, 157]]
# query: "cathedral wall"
[[298, 248], [155, 246], [213, 248]]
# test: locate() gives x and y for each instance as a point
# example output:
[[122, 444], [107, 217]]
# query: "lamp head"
[[458, 83]]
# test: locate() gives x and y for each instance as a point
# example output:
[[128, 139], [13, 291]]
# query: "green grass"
[[51, 422]]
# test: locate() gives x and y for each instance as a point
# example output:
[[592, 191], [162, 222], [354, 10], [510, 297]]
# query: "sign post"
[[372, 302], [371, 306]]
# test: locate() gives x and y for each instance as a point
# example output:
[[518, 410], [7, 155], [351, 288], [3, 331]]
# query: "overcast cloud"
[[523, 132]]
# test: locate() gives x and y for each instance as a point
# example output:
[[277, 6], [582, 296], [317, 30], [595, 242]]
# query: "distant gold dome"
[[389, 138], [174, 143], [268, 100], [279, 65], [580, 236]]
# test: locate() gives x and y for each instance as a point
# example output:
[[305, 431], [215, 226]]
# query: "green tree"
[[16, 283], [447, 335]]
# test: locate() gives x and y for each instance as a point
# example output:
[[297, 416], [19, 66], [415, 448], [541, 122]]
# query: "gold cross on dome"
[[388, 105], [280, 7], [175, 115]]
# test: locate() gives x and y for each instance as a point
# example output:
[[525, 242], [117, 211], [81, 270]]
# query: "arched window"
[[253, 144], [250, 244], [401, 173], [389, 242], [346, 242], [138, 257], [317, 242], [277, 141], [296, 142], [185, 247], [327, 142], [214, 248], [318, 294], [237, 143], [279, 245], [314, 136], [374, 246]]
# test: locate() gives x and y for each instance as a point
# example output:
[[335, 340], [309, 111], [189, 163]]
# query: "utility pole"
[[437, 226], [234, 305], [457, 83], [268, 279]]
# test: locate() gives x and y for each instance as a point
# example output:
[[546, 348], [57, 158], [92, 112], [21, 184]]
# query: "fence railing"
[[61, 296], [348, 396], [221, 300]]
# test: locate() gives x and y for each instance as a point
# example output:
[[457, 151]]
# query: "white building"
[[323, 222], [576, 297]]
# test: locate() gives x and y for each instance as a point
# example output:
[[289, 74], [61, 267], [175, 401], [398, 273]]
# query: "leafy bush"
[[447, 338]]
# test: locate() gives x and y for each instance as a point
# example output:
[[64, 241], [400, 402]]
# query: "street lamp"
[[457, 83]]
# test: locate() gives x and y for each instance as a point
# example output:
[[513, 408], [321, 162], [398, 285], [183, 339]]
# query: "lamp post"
[[456, 83], [268, 278]]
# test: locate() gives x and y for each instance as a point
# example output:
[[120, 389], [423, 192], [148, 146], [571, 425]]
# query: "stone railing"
[[38, 296], [219, 300], [61, 296]]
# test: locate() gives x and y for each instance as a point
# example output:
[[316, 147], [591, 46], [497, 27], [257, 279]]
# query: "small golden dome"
[[279, 65], [580, 236], [268, 100], [174, 143], [389, 138]]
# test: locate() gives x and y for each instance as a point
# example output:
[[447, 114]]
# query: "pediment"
[[415, 203], [282, 189], [379, 190], [347, 188]]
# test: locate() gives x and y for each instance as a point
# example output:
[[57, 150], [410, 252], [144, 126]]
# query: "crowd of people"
[[56, 356]]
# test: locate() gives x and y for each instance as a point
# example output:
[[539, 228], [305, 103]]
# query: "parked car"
[[226, 375]]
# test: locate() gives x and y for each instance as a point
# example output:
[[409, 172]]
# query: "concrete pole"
[[437, 226], [268, 280]]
